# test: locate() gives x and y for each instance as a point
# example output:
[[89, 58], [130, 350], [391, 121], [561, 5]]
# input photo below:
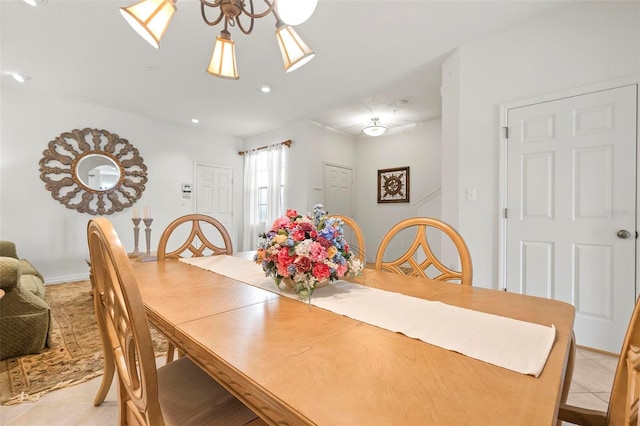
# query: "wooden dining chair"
[[624, 401], [410, 261], [197, 243], [175, 394], [358, 248]]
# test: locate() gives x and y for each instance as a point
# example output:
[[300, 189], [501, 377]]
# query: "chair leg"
[[170, 352], [109, 363], [107, 379], [568, 375]]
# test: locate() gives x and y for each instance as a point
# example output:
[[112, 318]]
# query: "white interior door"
[[571, 188], [338, 194], [214, 195], [338, 190]]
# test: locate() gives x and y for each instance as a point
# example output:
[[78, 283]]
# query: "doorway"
[[214, 195], [338, 189], [338, 193], [570, 208]]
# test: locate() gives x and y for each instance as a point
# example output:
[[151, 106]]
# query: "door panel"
[[571, 188], [537, 281], [538, 177], [338, 183], [214, 195]]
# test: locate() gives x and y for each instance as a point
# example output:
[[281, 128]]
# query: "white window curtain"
[[274, 158]]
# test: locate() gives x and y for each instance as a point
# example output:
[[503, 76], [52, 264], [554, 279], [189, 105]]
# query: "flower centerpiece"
[[306, 252]]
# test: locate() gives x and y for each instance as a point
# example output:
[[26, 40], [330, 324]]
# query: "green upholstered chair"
[[25, 318]]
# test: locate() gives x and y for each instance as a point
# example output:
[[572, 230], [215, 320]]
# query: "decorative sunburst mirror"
[[93, 171]]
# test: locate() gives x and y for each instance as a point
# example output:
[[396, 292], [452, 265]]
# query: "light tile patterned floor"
[[592, 380], [591, 387]]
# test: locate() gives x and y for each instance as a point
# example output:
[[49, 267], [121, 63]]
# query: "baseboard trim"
[[66, 279]]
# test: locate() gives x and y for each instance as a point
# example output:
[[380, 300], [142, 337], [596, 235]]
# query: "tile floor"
[[591, 387]]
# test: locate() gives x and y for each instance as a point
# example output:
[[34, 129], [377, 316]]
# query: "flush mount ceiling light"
[[35, 2], [150, 19], [374, 128]]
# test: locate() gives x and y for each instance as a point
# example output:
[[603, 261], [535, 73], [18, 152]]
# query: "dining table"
[[294, 363]]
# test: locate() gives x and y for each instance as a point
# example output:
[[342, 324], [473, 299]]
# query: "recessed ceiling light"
[[35, 2], [265, 88], [195, 120], [20, 78]]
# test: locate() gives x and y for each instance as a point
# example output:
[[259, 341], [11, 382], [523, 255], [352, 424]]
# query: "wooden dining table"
[[297, 364]]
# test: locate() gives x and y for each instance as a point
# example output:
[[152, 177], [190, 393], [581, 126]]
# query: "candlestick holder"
[[148, 256], [136, 234]]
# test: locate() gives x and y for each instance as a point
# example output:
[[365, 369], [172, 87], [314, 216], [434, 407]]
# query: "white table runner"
[[516, 345]]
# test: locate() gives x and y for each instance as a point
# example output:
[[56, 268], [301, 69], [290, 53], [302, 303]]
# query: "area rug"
[[75, 355]]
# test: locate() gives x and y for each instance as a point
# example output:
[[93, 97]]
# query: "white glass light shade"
[[295, 12], [150, 18], [223, 60], [375, 128], [35, 2], [295, 52]]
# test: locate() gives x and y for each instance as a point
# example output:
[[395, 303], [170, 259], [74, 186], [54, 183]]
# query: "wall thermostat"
[[186, 190]]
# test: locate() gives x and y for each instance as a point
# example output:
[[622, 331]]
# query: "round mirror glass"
[[98, 172]]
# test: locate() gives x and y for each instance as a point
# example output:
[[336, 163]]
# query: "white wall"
[[53, 237], [418, 148], [575, 46], [450, 150]]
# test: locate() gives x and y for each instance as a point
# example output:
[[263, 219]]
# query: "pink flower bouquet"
[[307, 251]]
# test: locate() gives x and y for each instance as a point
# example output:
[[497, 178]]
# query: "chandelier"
[[374, 128], [150, 19]]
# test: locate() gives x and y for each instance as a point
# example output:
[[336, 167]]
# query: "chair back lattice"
[[196, 243], [125, 324], [408, 263], [358, 249]]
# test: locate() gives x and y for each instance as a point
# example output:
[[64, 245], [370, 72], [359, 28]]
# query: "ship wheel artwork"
[[393, 185]]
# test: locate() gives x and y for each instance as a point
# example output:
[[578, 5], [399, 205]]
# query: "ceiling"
[[377, 58]]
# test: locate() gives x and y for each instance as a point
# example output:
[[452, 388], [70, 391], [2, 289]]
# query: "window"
[[263, 176], [264, 191]]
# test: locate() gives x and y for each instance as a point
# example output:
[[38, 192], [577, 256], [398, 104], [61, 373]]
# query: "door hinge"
[[506, 132], [506, 215]]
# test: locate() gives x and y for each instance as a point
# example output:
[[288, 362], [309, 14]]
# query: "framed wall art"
[[393, 185], [93, 171]]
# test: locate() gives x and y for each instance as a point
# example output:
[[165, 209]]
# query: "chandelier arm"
[[237, 20], [216, 3], [204, 3], [271, 7]]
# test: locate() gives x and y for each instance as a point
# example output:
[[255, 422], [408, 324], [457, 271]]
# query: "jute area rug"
[[75, 355]]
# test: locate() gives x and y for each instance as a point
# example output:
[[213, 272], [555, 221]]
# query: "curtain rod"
[[287, 143]]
